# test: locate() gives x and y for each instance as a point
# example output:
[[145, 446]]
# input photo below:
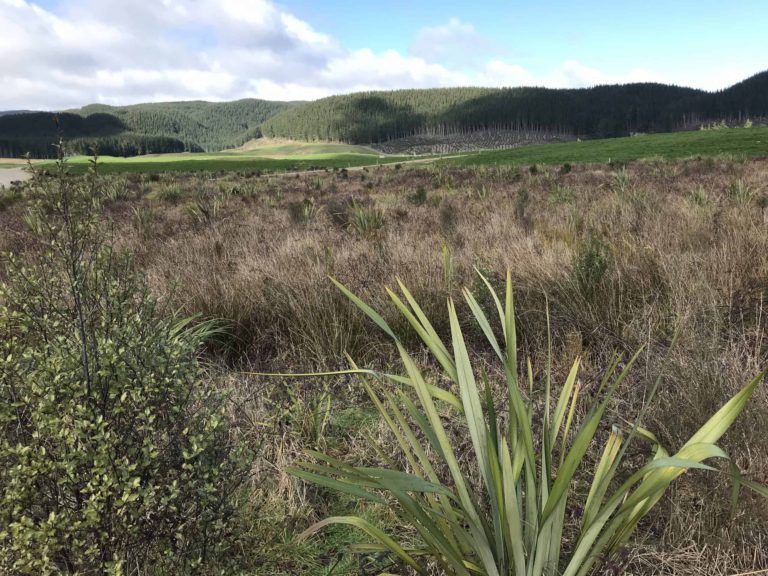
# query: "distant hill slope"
[[602, 111], [525, 114], [138, 129]]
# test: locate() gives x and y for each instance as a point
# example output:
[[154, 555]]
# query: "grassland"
[[751, 142], [289, 156], [257, 156], [277, 148], [621, 256]]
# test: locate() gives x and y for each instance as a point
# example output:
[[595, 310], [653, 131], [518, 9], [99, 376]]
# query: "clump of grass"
[[621, 182], [205, 209], [525, 454], [303, 212], [561, 195], [114, 188], [741, 192], [481, 192], [698, 196], [9, 196], [367, 221], [169, 193], [143, 217]]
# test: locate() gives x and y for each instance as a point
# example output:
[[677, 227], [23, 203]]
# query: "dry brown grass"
[[623, 257]]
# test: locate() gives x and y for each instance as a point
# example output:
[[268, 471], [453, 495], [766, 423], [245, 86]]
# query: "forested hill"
[[376, 117], [601, 111], [138, 129]]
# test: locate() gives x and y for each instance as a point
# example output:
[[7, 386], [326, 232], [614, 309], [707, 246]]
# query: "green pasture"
[[746, 142]]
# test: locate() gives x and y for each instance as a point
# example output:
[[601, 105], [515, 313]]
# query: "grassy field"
[[751, 142], [228, 163], [275, 148], [621, 257], [287, 156], [266, 156]]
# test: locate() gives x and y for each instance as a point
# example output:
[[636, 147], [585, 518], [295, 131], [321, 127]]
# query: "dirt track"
[[8, 175]]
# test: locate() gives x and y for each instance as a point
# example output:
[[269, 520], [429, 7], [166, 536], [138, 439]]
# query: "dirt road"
[[8, 175]]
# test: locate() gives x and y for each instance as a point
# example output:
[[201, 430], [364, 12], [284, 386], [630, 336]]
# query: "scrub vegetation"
[[565, 377]]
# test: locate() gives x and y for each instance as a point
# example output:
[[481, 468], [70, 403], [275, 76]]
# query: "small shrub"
[[590, 265], [419, 197], [565, 169], [533, 169], [114, 450]]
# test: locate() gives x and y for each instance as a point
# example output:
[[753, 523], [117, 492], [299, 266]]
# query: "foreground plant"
[[512, 520], [115, 451]]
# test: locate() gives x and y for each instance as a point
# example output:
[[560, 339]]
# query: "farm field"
[[621, 257], [752, 142], [287, 156], [266, 158]]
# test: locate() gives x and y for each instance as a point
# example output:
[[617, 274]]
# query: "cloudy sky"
[[57, 54]]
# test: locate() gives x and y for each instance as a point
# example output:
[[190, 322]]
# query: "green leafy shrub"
[[419, 197], [590, 264], [115, 452], [491, 490]]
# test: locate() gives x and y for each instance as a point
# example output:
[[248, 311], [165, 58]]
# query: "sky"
[[58, 54]]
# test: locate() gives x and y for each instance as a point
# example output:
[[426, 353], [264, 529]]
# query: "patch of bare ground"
[[470, 141]]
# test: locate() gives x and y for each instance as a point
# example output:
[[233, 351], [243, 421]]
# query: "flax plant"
[[514, 522]]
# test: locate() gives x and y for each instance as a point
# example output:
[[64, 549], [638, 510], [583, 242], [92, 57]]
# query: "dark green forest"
[[601, 111], [374, 117], [138, 129]]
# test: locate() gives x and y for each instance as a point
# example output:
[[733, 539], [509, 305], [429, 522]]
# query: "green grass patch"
[[738, 142], [291, 149], [230, 162]]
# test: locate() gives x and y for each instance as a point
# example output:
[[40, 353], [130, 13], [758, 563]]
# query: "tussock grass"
[[681, 246]]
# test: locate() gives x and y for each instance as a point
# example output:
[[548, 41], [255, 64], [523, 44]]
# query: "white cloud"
[[120, 52]]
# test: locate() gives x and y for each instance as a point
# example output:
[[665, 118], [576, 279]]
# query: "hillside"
[[484, 117], [601, 111], [138, 129]]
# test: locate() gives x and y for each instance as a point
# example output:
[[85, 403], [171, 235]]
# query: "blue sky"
[[671, 35], [62, 53]]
